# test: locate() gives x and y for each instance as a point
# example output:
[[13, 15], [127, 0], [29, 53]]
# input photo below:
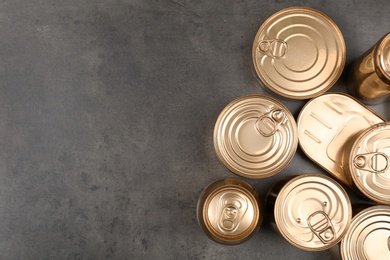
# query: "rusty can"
[[327, 126], [368, 236], [229, 211], [255, 136], [299, 53], [368, 162], [369, 77], [311, 211]]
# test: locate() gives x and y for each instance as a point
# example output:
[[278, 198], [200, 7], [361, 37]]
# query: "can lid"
[[312, 212], [255, 136], [383, 58], [369, 162], [229, 211], [368, 236], [299, 53]]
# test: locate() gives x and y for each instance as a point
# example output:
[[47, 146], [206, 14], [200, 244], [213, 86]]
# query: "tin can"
[[368, 162], [327, 126], [311, 211], [229, 211], [299, 53], [368, 236], [369, 78], [255, 136]]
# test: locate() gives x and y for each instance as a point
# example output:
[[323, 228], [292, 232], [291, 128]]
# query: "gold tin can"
[[369, 78], [368, 237], [369, 162], [311, 211], [229, 211], [326, 127], [255, 136], [299, 53]]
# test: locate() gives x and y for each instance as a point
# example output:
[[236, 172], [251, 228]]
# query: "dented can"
[[311, 211], [255, 136], [368, 236], [229, 211], [327, 128], [369, 77], [299, 53]]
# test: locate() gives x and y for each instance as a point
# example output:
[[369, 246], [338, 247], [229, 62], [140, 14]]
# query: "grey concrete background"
[[107, 110]]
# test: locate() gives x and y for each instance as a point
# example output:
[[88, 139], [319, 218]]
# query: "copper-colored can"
[[255, 136], [229, 211], [369, 78], [311, 211], [299, 53]]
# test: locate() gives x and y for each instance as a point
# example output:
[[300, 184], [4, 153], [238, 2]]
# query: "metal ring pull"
[[269, 123], [373, 162], [275, 49], [321, 225], [232, 208]]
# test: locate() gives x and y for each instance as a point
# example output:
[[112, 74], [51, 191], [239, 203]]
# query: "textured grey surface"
[[106, 116]]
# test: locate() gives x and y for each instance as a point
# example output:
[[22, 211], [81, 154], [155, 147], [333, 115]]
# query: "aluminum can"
[[327, 126], [368, 237], [229, 211], [369, 77], [299, 53], [311, 211], [255, 136]]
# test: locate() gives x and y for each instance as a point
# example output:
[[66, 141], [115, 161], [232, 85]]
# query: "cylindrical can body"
[[369, 77], [229, 211], [311, 211]]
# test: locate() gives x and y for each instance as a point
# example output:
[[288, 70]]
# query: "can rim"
[[309, 10], [381, 70]]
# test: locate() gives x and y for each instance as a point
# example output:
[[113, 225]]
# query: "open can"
[[229, 211], [255, 136], [311, 211], [299, 53], [369, 77]]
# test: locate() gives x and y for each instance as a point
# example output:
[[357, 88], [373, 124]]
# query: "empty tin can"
[[369, 78], [368, 162], [255, 136], [327, 126], [299, 53], [311, 211], [229, 211], [368, 237]]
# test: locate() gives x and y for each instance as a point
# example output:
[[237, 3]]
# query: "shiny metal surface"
[[369, 162], [229, 211], [255, 136], [369, 78], [299, 53], [368, 237], [326, 125], [311, 211]]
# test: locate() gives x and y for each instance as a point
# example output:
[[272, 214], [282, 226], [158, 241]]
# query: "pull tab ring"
[[275, 49], [269, 123], [373, 162], [321, 225]]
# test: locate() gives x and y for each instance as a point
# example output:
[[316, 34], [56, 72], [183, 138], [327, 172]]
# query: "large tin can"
[[299, 53], [368, 237], [327, 127], [255, 136], [229, 211], [369, 78], [311, 211]]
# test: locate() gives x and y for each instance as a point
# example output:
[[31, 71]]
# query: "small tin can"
[[299, 53], [368, 162], [311, 211], [368, 236], [327, 126], [255, 136], [369, 78], [229, 211]]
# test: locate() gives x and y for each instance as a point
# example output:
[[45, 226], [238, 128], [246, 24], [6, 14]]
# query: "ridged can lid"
[[368, 237], [369, 162], [312, 212], [299, 53], [255, 136], [229, 211], [382, 58]]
